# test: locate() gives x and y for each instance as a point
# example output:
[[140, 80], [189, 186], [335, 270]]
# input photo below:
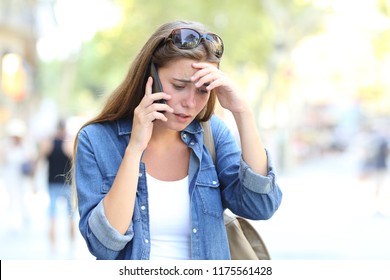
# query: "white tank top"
[[170, 219]]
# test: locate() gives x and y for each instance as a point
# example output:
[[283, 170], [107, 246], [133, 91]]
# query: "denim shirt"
[[230, 183]]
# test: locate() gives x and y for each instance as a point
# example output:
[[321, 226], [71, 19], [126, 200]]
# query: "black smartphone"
[[156, 87]]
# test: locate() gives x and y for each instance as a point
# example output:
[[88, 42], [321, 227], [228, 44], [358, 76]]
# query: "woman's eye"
[[203, 90], [178, 87]]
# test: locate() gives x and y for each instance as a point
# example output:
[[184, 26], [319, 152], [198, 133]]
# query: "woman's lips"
[[182, 117]]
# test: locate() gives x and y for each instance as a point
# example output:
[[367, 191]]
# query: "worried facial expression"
[[187, 100]]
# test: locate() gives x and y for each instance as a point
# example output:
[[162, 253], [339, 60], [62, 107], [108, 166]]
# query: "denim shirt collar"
[[194, 127], [124, 126]]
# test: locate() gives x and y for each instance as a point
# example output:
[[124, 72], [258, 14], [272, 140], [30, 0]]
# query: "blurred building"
[[18, 58]]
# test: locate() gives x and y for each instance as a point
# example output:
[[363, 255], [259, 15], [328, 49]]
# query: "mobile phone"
[[156, 87]]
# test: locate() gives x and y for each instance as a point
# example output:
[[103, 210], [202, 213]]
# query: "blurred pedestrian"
[[18, 156], [57, 151], [375, 152]]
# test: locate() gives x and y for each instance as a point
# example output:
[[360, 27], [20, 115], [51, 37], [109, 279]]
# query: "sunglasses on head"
[[188, 38]]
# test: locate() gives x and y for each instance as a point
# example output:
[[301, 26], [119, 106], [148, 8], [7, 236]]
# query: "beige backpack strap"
[[245, 242], [208, 138]]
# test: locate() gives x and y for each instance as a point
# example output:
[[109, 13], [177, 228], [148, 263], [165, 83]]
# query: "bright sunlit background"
[[316, 72]]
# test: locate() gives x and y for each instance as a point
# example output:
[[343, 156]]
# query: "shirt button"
[[146, 241], [192, 143], [185, 136], [139, 174], [194, 230], [214, 182], [143, 207]]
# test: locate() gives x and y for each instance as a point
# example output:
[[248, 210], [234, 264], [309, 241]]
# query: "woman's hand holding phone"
[[146, 113]]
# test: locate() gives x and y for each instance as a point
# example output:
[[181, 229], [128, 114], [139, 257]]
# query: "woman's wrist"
[[134, 150], [243, 113]]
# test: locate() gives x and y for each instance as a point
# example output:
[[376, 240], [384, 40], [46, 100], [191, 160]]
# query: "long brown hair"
[[126, 97]]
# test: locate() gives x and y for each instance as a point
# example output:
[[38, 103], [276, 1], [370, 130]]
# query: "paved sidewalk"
[[327, 213], [30, 241]]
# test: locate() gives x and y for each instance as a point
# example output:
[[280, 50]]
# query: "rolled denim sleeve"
[[105, 233], [256, 182], [253, 181], [258, 196], [244, 192], [103, 241]]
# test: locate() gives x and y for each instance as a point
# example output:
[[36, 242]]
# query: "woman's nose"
[[190, 98]]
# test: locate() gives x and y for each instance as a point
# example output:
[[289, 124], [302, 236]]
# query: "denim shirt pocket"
[[207, 187]]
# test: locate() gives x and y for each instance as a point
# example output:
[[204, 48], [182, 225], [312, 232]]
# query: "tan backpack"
[[245, 242]]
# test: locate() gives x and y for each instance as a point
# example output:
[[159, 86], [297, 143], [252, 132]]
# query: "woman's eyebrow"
[[183, 80], [188, 81]]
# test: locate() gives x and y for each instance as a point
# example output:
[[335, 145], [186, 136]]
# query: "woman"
[[147, 186]]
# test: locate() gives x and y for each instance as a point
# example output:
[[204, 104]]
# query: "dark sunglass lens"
[[217, 43], [185, 38]]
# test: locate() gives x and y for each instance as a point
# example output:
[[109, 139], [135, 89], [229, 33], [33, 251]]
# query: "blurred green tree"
[[258, 35], [382, 39], [244, 28]]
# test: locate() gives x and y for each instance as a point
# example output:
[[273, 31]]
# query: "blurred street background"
[[316, 72]]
